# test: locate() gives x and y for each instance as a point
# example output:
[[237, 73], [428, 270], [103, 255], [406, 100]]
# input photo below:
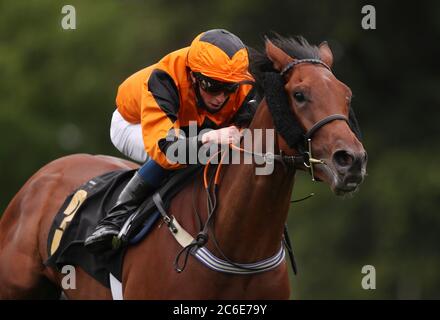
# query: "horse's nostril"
[[343, 158]]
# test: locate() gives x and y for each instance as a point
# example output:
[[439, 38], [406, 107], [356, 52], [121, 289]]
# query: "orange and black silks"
[[161, 97]]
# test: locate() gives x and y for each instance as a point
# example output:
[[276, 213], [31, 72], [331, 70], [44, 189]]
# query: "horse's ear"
[[278, 57], [325, 53]]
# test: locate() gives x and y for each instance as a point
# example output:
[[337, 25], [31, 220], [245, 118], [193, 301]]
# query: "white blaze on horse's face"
[[314, 93]]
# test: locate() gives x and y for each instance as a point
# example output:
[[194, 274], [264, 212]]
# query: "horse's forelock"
[[296, 46]]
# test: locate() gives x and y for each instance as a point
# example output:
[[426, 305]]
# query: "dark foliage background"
[[57, 91]]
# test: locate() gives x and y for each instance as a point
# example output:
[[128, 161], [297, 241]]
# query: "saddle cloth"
[[86, 206]]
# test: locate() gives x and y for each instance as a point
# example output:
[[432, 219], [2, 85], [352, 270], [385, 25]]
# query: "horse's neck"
[[252, 209]]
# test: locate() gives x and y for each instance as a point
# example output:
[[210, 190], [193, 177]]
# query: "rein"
[[305, 158]]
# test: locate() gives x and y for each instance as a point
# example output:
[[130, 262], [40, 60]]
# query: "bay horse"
[[251, 209]]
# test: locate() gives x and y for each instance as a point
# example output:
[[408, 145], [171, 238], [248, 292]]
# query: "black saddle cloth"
[[100, 194]]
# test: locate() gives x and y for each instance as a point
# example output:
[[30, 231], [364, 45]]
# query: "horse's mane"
[[296, 46]]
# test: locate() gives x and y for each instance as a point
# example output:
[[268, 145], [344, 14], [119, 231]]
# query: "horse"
[[250, 212]]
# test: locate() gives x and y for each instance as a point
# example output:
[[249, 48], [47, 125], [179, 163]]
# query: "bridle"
[[309, 161], [305, 157]]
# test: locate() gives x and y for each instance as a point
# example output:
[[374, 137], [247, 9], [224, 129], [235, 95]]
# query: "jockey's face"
[[214, 99]]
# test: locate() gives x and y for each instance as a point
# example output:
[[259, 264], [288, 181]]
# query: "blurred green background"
[[57, 91]]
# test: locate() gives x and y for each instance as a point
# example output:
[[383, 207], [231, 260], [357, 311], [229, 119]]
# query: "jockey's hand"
[[228, 135]]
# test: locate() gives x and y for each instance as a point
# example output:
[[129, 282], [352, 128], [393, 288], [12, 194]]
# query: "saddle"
[[87, 205]]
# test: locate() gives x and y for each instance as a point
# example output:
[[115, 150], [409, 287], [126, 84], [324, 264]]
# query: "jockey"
[[209, 83]]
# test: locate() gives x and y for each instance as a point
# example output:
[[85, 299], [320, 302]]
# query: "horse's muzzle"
[[350, 167]]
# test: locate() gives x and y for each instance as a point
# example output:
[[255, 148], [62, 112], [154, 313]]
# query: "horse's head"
[[320, 105]]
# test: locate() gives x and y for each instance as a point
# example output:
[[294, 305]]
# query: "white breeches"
[[127, 138]]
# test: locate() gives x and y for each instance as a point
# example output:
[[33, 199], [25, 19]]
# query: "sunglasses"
[[214, 86]]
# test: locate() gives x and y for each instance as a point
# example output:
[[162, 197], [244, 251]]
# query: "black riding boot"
[[105, 235]]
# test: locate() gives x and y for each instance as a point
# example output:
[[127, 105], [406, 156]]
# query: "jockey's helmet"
[[219, 55]]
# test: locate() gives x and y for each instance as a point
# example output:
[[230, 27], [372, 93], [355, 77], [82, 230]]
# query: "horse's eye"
[[299, 97]]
